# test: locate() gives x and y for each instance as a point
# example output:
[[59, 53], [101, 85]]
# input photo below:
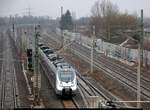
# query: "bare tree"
[[108, 20], [103, 14]]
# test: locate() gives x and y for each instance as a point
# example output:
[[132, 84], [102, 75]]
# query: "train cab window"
[[48, 51], [43, 48], [66, 76], [40, 45]]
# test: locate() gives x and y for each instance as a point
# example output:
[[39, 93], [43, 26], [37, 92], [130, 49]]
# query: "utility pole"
[[138, 77], [25, 42], [13, 26], [140, 59], [37, 77], [142, 36], [62, 27], [92, 48]]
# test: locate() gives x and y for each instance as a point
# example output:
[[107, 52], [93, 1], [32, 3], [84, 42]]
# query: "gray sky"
[[80, 7]]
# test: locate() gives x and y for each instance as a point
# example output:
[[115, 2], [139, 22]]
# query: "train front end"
[[66, 82]]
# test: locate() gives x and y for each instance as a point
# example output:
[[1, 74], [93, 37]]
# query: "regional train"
[[64, 75]]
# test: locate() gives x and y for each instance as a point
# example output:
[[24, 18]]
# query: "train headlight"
[[73, 84], [74, 87], [61, 84], [59, 88]]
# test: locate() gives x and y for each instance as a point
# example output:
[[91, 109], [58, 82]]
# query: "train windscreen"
[[66, 76]]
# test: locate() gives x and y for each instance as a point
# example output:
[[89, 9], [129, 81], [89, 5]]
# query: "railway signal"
[[29, 54]]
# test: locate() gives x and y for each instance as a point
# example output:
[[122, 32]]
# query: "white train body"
[[63, 75]]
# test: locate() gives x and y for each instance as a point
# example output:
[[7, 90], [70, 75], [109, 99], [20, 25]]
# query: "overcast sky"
[[80, 7]]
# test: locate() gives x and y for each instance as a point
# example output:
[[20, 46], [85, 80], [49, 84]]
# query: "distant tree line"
[[66, 21], [109, 22]]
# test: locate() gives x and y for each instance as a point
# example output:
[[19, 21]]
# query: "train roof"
[[64, 65], [56, 60]]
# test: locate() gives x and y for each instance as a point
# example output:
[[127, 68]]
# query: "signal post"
[[37, 77]]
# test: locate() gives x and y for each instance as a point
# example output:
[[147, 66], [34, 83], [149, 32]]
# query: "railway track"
[[113, 72], [145, 79], [8, 80], [125, 68], [118, 74], [89, 90], [21, 90], [71, 103], [103, 95], [50, 42], [68, 103], [112, 61], [1, 49], [128, 68], [3, 81], [84, 89]]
